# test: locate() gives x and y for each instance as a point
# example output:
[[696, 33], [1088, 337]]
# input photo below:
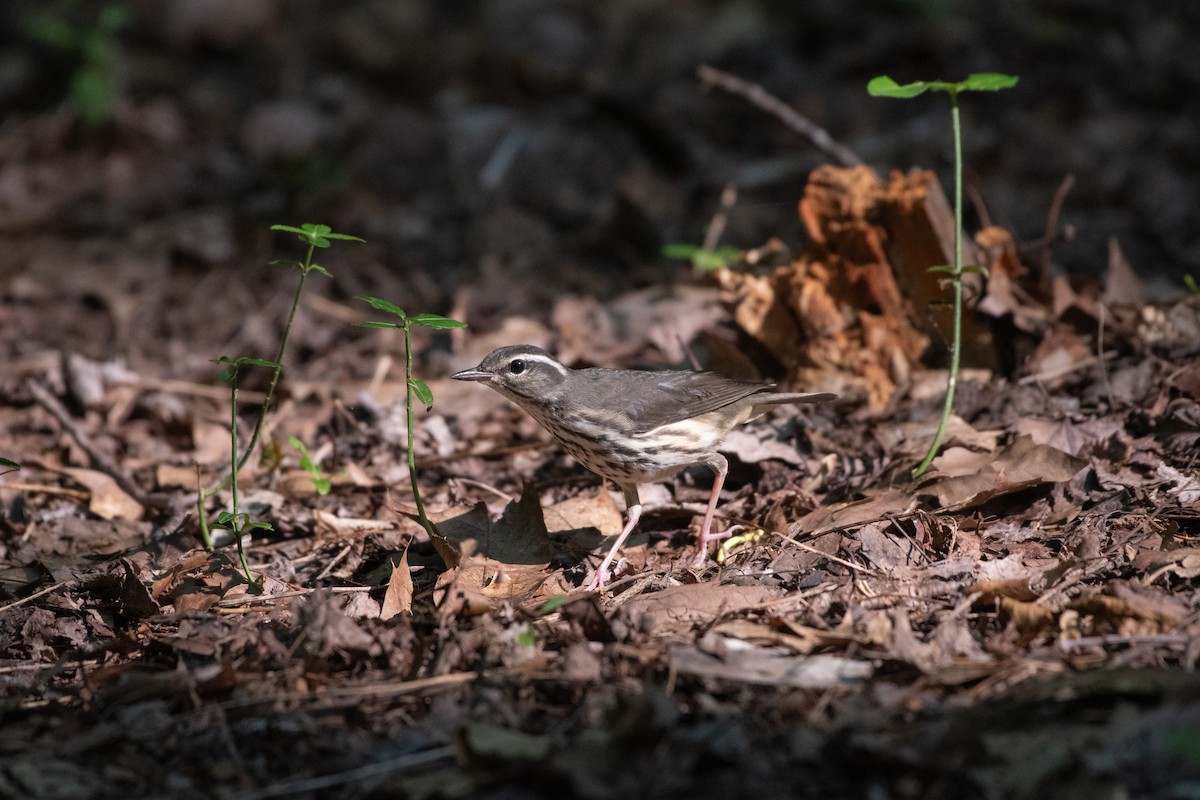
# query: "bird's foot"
[[702, 541], [602, 576]]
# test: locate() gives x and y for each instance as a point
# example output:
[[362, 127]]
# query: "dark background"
[[524, 148]]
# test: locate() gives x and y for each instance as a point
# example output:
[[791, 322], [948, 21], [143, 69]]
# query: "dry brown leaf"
[[398, 597], [170, 475], [108, 501], [888, 502], [1066, 435], [598, 512], [331, 526], [1122, 287], [1021, 465], [680, 607], [887, 552]]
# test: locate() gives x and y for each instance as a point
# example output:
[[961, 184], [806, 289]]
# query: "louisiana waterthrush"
[[631, 426]]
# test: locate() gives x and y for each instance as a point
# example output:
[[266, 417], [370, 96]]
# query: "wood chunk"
[[920, 230]]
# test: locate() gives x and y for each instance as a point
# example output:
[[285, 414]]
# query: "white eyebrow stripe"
[[542, 360]]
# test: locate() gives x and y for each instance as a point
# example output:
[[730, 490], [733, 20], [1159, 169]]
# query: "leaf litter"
[[1048, 560]]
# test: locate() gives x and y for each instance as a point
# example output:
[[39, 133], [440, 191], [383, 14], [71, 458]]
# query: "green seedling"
[[96, 82], [703, 259], [237, 523], [9, 466], [315, 237], [1190, 283], [321, 480], [883, 86], [414, 387]]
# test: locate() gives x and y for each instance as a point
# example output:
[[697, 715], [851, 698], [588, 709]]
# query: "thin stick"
[[1082, 363], [764, 100], [102, 462], [716, 226], [46, 489], [375, 770], [33, 596]]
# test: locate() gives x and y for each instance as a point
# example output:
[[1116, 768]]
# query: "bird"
[[632, 426]]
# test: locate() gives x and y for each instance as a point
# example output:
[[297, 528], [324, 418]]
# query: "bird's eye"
[[516, 367]]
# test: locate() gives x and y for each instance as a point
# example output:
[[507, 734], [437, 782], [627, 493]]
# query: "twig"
[[830, 556], [249, 600], [1115, 639], [1082, 363], [1103, 311], [78, 494], [175, 386], [33, 596], [102, 462], [771, 104], [487, 487], [336, 560], [378, 769], [716, 226], [1042, 247]]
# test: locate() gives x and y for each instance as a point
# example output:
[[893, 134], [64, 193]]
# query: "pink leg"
[[633, 510], [720, 467]]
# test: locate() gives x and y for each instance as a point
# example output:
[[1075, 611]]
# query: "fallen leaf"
[[1019, 466], [398, 597], [108, 501]]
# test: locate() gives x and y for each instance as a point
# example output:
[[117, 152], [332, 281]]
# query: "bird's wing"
[[649, 400]]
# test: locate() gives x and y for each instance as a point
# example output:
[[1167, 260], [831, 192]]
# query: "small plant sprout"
[[314, 237], [8, 466], [704, 259], [96, 81], [234, 521], [413, 386], [883, 86], [1190, 283], [321, 480]]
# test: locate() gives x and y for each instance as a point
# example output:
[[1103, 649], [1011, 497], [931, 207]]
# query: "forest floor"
[[1023, 620]]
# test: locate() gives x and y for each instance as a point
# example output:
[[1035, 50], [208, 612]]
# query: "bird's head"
[[522, 372]]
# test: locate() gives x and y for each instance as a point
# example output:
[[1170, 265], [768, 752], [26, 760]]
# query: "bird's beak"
[[472, 374]]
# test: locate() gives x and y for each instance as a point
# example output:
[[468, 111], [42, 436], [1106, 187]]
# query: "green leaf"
[[345, 237], [310, 234], [681, 251], [702, 258], [11, 465], [225, 519], [884, 86], [987, 82], [306, 462], [422, 392], [373, 324], [527, 638], [941, 268], [1191, 284], [322, 485], [320, 269], [266, 526], [382, 305], [712, 260], [245, 361], [436, 321], [552, 603]]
